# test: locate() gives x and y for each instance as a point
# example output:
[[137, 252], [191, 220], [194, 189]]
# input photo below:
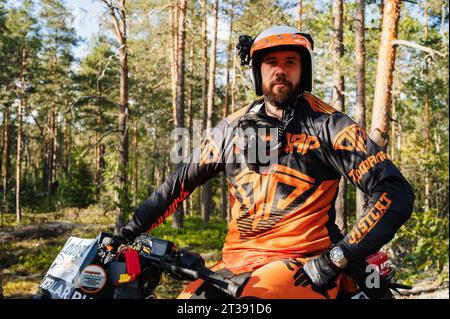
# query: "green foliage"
[[195, 234], [77, 189], [39, 258], [422, 244]]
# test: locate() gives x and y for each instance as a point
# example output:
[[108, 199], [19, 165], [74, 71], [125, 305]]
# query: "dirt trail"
[[427, 289], [45, 230]]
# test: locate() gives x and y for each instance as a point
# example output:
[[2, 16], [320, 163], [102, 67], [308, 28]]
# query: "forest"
[[86, 137]]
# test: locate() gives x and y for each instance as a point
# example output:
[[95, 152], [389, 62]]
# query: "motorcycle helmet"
[[274, 39]]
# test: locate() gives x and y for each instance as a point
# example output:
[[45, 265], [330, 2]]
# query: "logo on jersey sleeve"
[[364, 167], [351, 138], [367, 222]]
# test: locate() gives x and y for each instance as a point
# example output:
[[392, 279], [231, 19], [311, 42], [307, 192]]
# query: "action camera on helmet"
[[243, 47]]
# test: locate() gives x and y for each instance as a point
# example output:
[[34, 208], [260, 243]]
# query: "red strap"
[[132, 263]]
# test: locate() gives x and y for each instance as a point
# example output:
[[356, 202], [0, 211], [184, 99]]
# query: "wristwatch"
[[338, 258]]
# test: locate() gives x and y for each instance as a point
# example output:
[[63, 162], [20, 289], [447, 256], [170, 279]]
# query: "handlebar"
[[217, 280], [184, 264], [200, 272]]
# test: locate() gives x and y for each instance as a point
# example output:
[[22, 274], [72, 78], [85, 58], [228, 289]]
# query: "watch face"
[[336, 254]]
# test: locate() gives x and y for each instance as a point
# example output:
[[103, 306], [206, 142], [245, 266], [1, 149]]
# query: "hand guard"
[[321, 271]]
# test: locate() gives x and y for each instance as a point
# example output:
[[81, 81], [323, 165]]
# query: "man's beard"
[[282, 99]]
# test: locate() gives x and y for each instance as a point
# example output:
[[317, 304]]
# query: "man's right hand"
[[125, 236]]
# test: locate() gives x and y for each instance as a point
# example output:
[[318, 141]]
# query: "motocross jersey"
[[288, 211]]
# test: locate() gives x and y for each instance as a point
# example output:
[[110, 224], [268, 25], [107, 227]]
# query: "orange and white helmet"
[[280, 38]]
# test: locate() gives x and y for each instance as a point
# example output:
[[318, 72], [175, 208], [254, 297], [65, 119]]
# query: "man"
[[282, 240]]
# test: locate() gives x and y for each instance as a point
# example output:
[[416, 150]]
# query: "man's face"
[[280, 72]]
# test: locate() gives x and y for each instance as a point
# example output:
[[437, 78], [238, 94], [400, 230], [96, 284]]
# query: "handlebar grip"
[[233, 289], [217, 280]]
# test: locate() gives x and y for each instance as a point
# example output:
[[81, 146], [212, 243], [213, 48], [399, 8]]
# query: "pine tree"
[[338, 101]]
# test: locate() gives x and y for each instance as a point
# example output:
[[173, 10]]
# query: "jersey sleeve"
[[206, 162], [353, 154]]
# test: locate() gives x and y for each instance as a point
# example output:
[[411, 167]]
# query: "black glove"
[[126, 235], [321, 271], [132, 230]]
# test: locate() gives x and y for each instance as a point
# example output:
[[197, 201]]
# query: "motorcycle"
[[103, 268]]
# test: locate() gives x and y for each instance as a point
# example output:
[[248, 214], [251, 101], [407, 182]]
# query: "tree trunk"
[[300, 12], [338, 101], [361, 198], [26, 155], [119, 21], [229, 62], [52, 142], [19, 135], [384, 77], [67, 146], [399, 141], [426, 119], [173, 8], [190, 112], [233, 85], [207, 191], [97, 157], [437, 140], [123, 116], [178, 216], [54, 150], [206, 187], [394, 120], [381, 8], [135, 171], [46, 162], [224, 188], [205, 64], [6, 157]]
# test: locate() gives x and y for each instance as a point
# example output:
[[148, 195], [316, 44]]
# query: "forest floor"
[[27, 250], [431, 287]]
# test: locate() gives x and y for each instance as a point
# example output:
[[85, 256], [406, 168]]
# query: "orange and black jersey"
[[289, 210]]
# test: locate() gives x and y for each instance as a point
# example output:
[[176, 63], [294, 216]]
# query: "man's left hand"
[[321, 271]]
